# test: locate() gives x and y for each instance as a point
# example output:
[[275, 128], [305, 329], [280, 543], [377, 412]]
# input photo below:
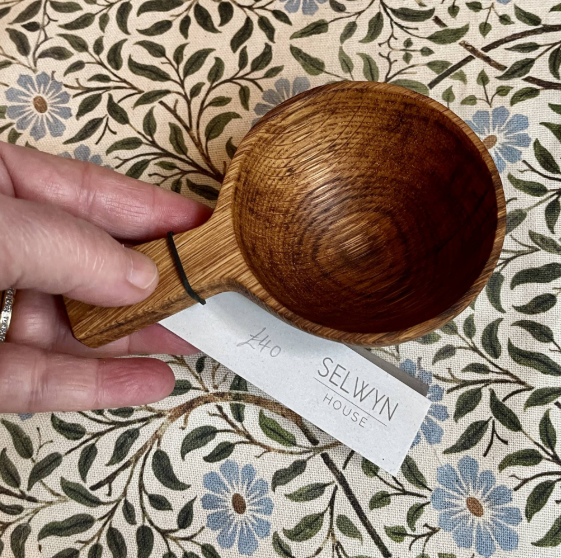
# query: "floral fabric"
[[164, 90]]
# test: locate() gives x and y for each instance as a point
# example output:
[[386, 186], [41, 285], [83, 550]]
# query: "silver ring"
[[6, 312]]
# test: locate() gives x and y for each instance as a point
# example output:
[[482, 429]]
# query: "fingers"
[[39, 320], [33, 380], [153, 340], [126, 208], [47, 249]]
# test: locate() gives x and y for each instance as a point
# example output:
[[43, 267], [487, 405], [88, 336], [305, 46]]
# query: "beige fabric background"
[[164, 91]]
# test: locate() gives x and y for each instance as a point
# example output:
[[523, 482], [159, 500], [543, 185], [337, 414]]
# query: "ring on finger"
[[6, 312]]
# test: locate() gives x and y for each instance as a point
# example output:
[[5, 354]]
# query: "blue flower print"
[[239, 504], [83, 153], [501, 135], [25, 416], [39, 103], [309, 7], [474, 510], [503, 1], [430, 429], [280, 93]]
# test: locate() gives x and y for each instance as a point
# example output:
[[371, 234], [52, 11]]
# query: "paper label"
[[327, 383]]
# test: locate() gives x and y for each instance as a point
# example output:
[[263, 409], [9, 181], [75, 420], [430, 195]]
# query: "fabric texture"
[[164, 90]]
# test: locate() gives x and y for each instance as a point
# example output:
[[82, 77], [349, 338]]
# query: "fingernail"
[[143, 272]]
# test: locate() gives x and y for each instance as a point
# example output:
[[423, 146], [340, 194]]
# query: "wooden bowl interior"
[[363, 209]]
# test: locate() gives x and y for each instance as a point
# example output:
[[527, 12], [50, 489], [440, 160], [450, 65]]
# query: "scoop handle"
[[201, 251]]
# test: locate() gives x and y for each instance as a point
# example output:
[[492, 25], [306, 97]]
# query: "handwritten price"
[[260, 341]]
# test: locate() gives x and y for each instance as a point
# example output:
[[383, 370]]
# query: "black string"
[[181, 271]]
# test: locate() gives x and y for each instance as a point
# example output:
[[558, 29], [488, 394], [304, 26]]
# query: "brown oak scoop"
[[361, 212]]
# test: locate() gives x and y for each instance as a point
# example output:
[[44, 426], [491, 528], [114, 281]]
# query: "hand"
[[58, 218]]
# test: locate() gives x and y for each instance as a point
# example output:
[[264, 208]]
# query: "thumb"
[[47, 249]]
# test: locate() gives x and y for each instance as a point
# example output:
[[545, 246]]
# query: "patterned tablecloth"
[[163, 90]]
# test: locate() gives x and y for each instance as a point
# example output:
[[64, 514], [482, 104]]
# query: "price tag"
[[367, 404]]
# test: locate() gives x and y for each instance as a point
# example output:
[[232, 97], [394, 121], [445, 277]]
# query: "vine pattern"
[[164, 91]]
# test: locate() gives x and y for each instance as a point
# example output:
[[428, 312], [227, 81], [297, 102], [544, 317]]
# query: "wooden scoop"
[[361, 212]]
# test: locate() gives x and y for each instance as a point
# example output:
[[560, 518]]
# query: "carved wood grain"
[[357, 211]]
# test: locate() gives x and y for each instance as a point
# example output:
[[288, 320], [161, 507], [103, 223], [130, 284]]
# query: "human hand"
[[58, 218]]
